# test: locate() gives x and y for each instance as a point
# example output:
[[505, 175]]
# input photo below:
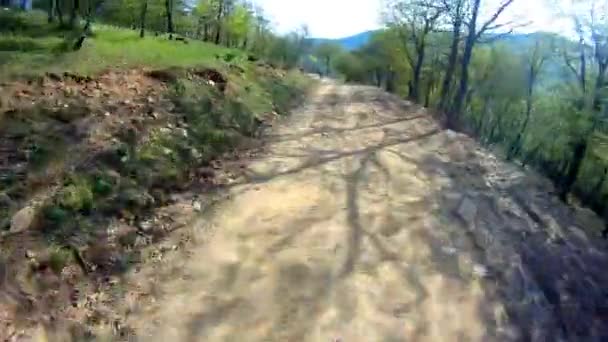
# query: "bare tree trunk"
[[599, 84], [85, 32], [451, 68], [516, 147], [51, 11], [59, 13], [456, 113], [199, 28], [74, 13], [583, 62], [169, 14], [580, 150], [390, 80], [220, 13], [144, 11], [415, 88], [427, 98]]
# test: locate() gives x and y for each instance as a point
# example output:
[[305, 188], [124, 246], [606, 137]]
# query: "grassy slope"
[[132, 177], [28, 46]]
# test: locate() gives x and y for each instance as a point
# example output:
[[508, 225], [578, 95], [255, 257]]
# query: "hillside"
[[189, 182], [517, 42], [348, 43], [101, 147], [363, 220]]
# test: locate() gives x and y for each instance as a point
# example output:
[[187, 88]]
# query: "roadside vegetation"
[[538, 98], [105, 116]]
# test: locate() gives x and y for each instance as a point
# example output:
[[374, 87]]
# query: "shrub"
[[77, 195]]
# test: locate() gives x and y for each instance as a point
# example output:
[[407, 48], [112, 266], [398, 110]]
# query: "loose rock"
[[467, 211], [23, 220]]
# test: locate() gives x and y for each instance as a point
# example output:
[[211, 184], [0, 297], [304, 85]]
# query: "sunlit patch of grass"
[[29, 46]]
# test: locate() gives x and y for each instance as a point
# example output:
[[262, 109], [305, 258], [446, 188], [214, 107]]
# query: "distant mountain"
[[519, 42], [526, 41], [348, 43]]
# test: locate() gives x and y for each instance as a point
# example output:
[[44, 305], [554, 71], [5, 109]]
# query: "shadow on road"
[[440, 240]]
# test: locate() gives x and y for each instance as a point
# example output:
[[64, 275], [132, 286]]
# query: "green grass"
[[29, 46]]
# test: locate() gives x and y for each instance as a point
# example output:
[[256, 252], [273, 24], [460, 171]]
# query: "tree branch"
[[494, 17]]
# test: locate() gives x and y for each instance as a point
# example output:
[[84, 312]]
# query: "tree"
[[351, 67], [218, 21], [591, 26], [169, 14], [475, 32], [51, 10], [74, 13], [535, 61], [456, 15], [327, 51], [414, 20], [238, 25], [144, 11]]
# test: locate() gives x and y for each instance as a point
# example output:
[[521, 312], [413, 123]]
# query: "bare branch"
[[494, 17], [495, 37]]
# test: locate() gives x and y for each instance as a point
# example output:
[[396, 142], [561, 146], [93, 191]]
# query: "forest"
[[432, 181], [230, 23], [541, 103]]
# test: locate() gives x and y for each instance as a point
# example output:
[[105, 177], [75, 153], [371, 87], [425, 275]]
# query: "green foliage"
[[102, 187], [109, 47], [59, 258], [327, 52], [239, 23], [77, 195], [529, 95], [351, 67]]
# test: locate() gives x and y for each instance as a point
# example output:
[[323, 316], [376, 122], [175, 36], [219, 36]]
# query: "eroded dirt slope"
[[364, 221]]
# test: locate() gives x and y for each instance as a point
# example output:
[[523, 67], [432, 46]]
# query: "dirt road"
[[363, 221]]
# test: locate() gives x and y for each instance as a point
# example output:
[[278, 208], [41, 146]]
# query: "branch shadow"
[[540, 265]]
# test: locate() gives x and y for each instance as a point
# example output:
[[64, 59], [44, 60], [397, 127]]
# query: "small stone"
[[30, 254], [467, 210], [451, 134], [140, 241], [449, 250], [195, 153], [106, 114], [5, 201], [145, 225], [480, 270], [197, 206], [22, 220]]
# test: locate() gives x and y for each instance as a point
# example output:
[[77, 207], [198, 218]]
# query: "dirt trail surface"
[[364, 221]]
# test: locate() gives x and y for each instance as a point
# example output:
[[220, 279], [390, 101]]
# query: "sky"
[[342, 18]]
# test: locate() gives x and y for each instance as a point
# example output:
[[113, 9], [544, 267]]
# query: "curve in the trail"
[[364, 221]]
